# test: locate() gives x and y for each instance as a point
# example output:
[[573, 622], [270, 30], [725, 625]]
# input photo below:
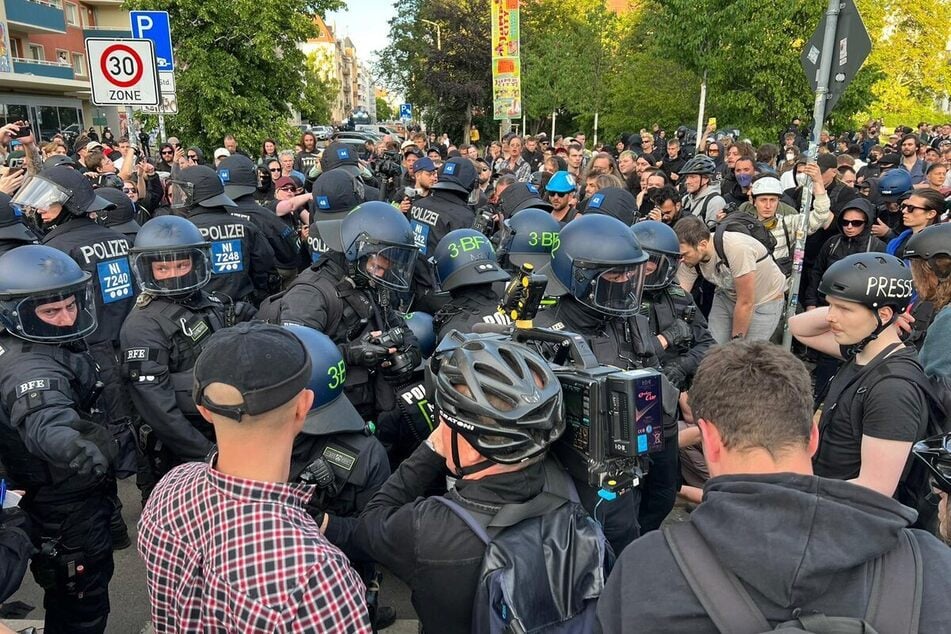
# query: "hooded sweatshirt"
[[794, 541]]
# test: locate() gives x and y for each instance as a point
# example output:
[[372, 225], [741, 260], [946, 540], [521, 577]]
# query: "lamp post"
[[438, 34]]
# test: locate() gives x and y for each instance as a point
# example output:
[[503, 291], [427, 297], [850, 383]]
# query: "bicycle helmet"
[[934, 245], [894, 184], [700, 164], [935, 452]]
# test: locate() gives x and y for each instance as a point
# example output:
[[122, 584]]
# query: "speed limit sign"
[[122, 72]]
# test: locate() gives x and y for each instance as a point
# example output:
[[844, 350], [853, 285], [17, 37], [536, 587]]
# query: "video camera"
[[389, 165], [406, 358]]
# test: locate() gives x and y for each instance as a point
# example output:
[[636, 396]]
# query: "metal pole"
[[130, 127], [818, 120], [161, 127], [703, 104], [554, 115], [595, 142]]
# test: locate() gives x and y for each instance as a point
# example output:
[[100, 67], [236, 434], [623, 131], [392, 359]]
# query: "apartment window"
[[35, 52], [62, 56], [16, 47], [71, 11], [79, 64]]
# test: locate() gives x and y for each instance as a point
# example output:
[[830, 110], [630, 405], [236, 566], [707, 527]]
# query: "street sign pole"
[[161, 127], [700, 112], [818, 120]]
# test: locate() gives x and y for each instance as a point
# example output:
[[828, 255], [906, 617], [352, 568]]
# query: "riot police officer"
[[466, 268], [333, 196], [529, 237], [519, 196], [14, 232], [682, 339], [121, 217], [242, 261], [598, 270], [347, 294], [50, 442], [240, 177], [432, 217], [162, 338], [341, 156]]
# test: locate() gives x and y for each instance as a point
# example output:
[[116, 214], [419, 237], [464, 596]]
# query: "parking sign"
[[406, 111], [155, 26]]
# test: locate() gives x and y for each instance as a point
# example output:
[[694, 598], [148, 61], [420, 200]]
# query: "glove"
[[15, 518], [85, 459], [675, 374], [364, 353], [678, 334]]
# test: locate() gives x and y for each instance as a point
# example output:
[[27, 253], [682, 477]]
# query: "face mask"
[[801, 179], [790, 156], [745, 180]]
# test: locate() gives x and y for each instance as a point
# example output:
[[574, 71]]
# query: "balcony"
[[35, 16], [104, 3], [54, 70], [107, 32]]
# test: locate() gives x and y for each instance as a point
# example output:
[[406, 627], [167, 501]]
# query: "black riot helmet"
[[60, 185], [44, 296], [663, 250], [377, 240], [239, 175], [170, 257], [530, 236], [122, 215], [465, 257], [13, 227], [198, 185]]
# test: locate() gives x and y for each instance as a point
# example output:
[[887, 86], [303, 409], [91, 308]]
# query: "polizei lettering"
[[427, 216], [889, 287], [222, 232], [104, 250]]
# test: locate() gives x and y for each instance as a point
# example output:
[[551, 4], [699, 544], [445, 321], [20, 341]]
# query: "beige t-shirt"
[[745, 254]]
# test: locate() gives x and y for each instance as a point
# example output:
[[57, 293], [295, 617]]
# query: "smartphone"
[[712, 122], [24, 132]]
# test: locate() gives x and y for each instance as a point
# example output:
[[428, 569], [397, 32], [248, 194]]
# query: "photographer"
[[424, 175], [346, 295], [396, 188], [664, 205]]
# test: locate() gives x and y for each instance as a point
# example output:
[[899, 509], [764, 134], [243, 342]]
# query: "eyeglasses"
[[274, 169], [167, 152], [853, 223], [910, 209], [130, 191]]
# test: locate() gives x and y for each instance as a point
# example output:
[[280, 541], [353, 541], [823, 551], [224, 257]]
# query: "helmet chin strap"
[[856, 348], [461, 471]]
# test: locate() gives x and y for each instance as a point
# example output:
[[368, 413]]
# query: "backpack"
[[742, 222], [530, 550], [894, 605]]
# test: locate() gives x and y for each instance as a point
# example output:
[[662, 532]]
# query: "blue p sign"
[[155, 26], [406, 111]]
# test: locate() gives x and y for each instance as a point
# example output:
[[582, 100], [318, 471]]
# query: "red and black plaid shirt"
[[224, 554]]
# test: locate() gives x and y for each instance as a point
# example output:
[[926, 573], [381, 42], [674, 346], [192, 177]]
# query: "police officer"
[[162, 338], [14, 232], [347, 294], [432, 217], [336, 452], [612, 201], [681, 339], [519, 196], [340, 156], [529, 236], [333, 196], [240, 177], [49, 441], [467, 269], [598, 270], [121, 217], [242, 261]]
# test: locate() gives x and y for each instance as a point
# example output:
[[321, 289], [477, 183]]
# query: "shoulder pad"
[[143, 300], [676, 291]]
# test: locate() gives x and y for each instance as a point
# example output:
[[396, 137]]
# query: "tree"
[[383, 110], [239, 69], [319, 90]]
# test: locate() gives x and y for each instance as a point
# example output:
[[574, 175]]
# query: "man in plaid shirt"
[[229, 546]]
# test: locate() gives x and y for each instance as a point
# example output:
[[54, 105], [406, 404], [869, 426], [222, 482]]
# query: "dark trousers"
[[617, 517], [74, 565], [659, 489]]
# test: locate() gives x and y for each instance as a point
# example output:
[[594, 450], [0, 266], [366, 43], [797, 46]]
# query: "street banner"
[[506, 63]]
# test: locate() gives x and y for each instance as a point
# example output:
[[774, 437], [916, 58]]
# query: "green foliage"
[[239, 70], [319, 90], [383, 110]]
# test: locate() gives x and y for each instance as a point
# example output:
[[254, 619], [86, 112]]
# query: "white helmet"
[[766, 185]]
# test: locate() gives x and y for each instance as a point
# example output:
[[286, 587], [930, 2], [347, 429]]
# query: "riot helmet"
[[239, 175], [378, 242], [530, 236], [600, 263], [57, 190], [198, 185], [465, 257], [170, 257], [421, 325], [121, 216], [663, 251], [44, 296], [12, 223]]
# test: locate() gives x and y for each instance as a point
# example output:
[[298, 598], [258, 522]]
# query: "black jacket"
[[281, 236], [794, 541], [469, 305], [432, 218], [834, 249]]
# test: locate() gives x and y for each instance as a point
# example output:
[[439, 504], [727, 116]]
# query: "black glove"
[[14, 517], [678, 334], [364, 353], [85, 458], [675, 374]]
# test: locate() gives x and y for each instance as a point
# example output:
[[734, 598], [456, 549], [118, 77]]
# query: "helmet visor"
[[390, 265], [181, 194], [173, 271], [614, 290], [41, 194], [659, 270], [57, 316]]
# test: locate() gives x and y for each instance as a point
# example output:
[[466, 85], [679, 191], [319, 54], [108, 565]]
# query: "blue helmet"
[[894, 184], [378, 239], [663, 250], [165, 242], [13, 228], [530, 236], [45, 296], [331, 412], [421, 325], [600, 263], [561, 182], [465, 257]]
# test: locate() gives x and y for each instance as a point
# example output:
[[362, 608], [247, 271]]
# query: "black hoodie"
[[795, 541]]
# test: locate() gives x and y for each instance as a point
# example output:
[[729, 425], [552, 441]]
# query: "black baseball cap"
[[266, 363]]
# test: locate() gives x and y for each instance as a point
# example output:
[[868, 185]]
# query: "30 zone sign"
[[122, 72]]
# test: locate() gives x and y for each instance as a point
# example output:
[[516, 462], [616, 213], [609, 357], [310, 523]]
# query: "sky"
[[367, 24]]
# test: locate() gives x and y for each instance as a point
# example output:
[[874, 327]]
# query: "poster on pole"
[[506, 63]]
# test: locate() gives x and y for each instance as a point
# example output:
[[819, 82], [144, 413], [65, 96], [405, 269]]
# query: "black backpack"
[[894, 605], [742, 222], [527, 542]]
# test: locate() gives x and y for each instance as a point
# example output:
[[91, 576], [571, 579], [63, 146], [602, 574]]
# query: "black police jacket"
[[427, 545], [432, 218], [47, 394], [468, 306], [242, 261], [283, 239], [104, 253], [402, 429], [360, 467], [160, 343]]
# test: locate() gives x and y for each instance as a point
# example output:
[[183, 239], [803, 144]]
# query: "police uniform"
[[161, 340], [48, 392], [469, 305]]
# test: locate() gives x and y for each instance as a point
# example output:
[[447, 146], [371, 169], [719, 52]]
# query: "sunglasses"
[[910, 209], [853, 223], [274, 169], [167, 152], [287, 188], [192, 157], [559, 194], [129, 191]]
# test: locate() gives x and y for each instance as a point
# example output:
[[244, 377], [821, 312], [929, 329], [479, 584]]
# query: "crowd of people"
[[310, 361]]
